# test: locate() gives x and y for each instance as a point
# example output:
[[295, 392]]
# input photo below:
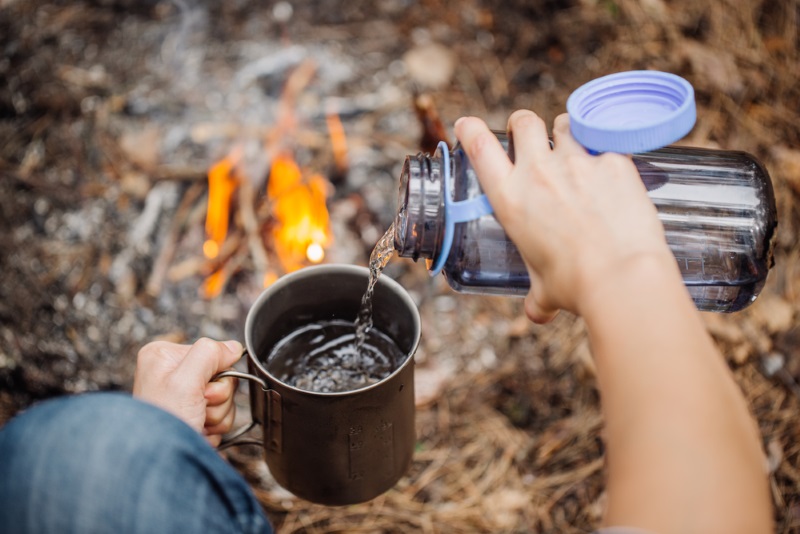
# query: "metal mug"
[[332, 448]]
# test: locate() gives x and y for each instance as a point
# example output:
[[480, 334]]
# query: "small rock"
[[773, 363], [430, 65], [136, 184], [774, 455], [142, 146]]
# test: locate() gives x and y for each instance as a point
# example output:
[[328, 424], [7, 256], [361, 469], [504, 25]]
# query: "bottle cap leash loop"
[[455, 212]]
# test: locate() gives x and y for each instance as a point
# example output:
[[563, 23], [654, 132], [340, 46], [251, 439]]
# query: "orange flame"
[[213, 284], [302, 232], [223, 179], [222, 182], [269, 278]]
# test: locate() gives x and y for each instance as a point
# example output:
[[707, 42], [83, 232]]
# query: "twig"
[[228, 269], [180, 174], [167, 252], [197, 265]]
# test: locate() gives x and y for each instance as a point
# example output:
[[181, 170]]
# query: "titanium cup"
[[332, 448]]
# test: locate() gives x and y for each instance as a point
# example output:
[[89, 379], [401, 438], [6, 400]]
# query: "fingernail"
[[233, 345], [460, 120]]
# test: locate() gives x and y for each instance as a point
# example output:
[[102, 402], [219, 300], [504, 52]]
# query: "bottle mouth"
[[419, 207], [426, 213]]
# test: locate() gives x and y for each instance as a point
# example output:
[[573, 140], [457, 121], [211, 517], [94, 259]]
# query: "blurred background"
[[161, 162]]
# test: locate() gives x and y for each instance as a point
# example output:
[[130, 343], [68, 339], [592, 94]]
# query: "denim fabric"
[[105, 462]]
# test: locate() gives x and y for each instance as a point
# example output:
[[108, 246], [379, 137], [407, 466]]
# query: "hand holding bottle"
[[594, 245], [577, 219]]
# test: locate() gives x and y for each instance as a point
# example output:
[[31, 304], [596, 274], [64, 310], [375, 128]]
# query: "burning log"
[[300, 232], [215, 283]]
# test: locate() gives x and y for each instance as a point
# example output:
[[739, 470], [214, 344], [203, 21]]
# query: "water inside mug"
[[323, 357]]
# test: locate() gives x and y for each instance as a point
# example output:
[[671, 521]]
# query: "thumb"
[[207, 358]]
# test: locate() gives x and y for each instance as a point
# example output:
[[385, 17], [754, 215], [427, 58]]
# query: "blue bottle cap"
[[631, 112]]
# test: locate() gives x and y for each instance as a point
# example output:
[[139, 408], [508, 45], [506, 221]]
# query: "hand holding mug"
[[177, 378]]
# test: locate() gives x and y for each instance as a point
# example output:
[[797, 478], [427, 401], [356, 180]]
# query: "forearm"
[[683, 452]]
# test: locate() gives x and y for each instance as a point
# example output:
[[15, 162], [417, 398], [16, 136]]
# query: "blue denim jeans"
[[106, 462]]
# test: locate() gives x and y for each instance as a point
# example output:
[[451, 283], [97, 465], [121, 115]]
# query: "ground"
[[111, 112]]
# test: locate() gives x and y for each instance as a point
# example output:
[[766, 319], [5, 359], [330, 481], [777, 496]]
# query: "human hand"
[[578, 220], [177, 378]]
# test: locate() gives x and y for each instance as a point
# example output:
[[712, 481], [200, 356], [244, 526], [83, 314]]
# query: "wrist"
[[629, 279]]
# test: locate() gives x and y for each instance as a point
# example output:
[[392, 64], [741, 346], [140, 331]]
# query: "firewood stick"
[[251, 227], [225, 272], [286, 125], [198, 264], [160, 266]]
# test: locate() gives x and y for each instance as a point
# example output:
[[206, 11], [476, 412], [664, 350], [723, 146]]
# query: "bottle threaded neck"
[[419, 223]]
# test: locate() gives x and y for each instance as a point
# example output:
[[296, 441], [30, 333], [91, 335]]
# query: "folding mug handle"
[[231, 439]]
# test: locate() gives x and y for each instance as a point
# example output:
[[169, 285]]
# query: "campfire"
[[296, 226], [290, 221]]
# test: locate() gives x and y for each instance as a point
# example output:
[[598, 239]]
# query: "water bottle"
[[717, 208]]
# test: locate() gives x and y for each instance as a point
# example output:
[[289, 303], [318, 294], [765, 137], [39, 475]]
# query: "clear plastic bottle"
[[717, 208]]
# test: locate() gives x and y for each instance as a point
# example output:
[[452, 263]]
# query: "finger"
[[220, 390], [563, 140], [531, 143], [485, 153], [205, 359], [214, 440], [217, 414], [536, 313], [223, 426], [536, 310]]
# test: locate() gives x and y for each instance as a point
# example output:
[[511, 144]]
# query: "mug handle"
[[231, 439]]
